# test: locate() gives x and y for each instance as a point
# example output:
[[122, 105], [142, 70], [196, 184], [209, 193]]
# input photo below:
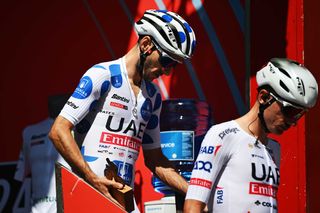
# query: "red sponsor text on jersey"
[[263, 189], [121, 106], [120, 140], [201, 182]]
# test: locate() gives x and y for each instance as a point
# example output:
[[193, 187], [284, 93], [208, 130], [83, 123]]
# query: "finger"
[[120, 180], [112, 183], [117, 185]]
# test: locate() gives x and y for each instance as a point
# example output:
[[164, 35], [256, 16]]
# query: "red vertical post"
[[311, 47], [295, 50]]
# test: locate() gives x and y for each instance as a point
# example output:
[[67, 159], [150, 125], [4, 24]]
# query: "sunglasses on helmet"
[[165, 60], [289, 110]]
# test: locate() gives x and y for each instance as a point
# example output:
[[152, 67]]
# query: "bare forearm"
[[164, 169], [67, 147], [64, 142], [171, 178]]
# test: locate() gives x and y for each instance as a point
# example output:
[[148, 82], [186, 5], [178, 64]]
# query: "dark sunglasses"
[[165, 60], [289, 110]]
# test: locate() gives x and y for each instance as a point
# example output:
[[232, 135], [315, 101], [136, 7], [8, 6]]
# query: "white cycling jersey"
[[235, 173], [110, 122], [37, 159]]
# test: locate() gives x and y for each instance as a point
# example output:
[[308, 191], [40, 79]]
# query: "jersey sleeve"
[[151, 137], [93, 84], [23, 168], [212, 157]]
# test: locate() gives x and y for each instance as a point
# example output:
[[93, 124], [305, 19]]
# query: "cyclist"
[[237, 169], [115, 108]]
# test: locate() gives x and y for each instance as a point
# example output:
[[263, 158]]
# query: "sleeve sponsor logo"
[[209, 149], [84, 88], [201, 182], [120, 140], [263, 189], [228, 131], [73, 105], [203, 165], [219, 195]]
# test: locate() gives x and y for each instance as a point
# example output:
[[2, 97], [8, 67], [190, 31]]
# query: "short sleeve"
[[213, 155], [93, 84]]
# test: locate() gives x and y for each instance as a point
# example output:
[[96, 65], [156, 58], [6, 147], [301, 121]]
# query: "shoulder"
[[224, 129], [99, 77], [110, 68]]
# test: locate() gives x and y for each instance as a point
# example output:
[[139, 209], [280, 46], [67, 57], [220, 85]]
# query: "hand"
[[103, 185]]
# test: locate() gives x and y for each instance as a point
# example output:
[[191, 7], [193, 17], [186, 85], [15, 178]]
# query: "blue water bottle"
[[183, 125]]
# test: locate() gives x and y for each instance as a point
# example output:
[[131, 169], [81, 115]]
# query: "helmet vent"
[[159, 29], [300, 86], [284, 72], [284, 86]]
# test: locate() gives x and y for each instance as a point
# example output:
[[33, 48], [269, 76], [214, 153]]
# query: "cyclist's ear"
[[145, 43], [264, 97]]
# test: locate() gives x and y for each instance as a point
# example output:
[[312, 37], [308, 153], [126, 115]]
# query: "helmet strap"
[[143, 56], [262, 107]]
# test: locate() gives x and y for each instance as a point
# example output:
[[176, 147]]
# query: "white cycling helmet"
[[290, 80], [169, 30]]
